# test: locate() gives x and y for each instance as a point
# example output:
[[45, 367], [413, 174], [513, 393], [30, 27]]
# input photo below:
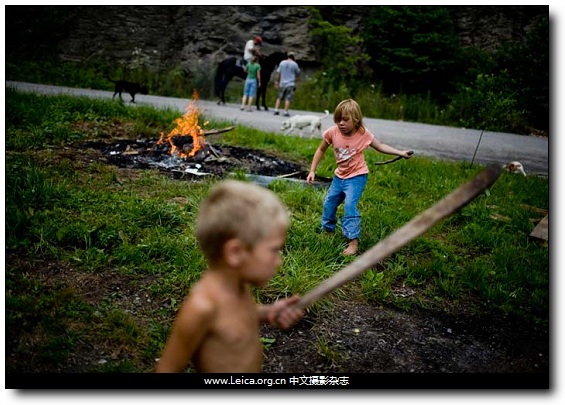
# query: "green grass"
[[98, 260]]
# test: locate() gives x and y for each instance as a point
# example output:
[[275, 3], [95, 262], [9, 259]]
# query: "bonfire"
[[187, 125]]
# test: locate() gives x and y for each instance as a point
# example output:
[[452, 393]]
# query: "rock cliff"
[[192, 38]]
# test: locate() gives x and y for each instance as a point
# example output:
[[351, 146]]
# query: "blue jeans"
[[348, 191], [250, 87]]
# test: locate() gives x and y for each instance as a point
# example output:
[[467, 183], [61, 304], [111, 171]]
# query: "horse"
[[227, 69], [268, 65], [230, 67]]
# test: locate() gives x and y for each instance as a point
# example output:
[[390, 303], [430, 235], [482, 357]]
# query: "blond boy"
[[241, 229]]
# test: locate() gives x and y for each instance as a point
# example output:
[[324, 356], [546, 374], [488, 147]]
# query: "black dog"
[[129, 87]]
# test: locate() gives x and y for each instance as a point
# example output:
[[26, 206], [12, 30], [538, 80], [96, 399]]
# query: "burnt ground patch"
[[211, 159]]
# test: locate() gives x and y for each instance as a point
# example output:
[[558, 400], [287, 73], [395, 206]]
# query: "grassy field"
[[101, 257]]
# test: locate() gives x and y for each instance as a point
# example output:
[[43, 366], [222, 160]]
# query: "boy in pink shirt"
[[349, 138]]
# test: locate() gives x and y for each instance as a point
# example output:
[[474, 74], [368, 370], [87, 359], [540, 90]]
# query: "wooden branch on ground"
[[218, 131]]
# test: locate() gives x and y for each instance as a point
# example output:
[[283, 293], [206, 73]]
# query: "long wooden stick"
[[402, 236]]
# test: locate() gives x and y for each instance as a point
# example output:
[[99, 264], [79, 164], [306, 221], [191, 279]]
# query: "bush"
[[489, 104]]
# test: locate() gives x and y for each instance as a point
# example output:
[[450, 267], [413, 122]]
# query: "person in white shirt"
[[252, 47], [285, 81]]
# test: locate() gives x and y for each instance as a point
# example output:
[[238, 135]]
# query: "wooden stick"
[[402, 236], [386, 162], [287, 175], [217, 131]]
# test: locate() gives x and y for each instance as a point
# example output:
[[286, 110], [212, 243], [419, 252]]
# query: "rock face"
[[487, 27], [193, 38]]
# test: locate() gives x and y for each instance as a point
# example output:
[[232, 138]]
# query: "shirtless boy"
[[241, 228]]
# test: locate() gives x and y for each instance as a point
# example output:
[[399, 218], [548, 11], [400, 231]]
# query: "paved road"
[[456, 144]]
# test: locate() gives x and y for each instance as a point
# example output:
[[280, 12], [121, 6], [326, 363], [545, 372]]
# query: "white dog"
[[302, 121], [514, 167]]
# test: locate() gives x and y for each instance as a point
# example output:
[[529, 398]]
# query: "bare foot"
[[351, 248]]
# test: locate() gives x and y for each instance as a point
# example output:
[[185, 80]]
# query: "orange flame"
[[187, 125]]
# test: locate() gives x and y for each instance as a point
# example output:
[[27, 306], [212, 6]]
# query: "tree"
[[527, 66], [343, 61], [413, 49]]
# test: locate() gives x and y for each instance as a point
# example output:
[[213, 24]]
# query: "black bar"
[[277, 381]]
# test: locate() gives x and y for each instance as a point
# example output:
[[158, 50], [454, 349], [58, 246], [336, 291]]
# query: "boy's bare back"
[[221, 322]]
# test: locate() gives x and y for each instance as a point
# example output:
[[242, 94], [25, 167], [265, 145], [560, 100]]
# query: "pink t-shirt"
[[348, 151]]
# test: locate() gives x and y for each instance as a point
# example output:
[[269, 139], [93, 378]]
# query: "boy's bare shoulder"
[[200, 301]]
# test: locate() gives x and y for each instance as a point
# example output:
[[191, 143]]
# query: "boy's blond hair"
[[237, 210], [351, 109]]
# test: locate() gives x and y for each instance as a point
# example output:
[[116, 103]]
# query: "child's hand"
[[407, 154], [282, 313], [310, 178]]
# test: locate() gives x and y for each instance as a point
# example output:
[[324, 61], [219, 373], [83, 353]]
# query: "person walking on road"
[[253, 80], [285, 81]]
